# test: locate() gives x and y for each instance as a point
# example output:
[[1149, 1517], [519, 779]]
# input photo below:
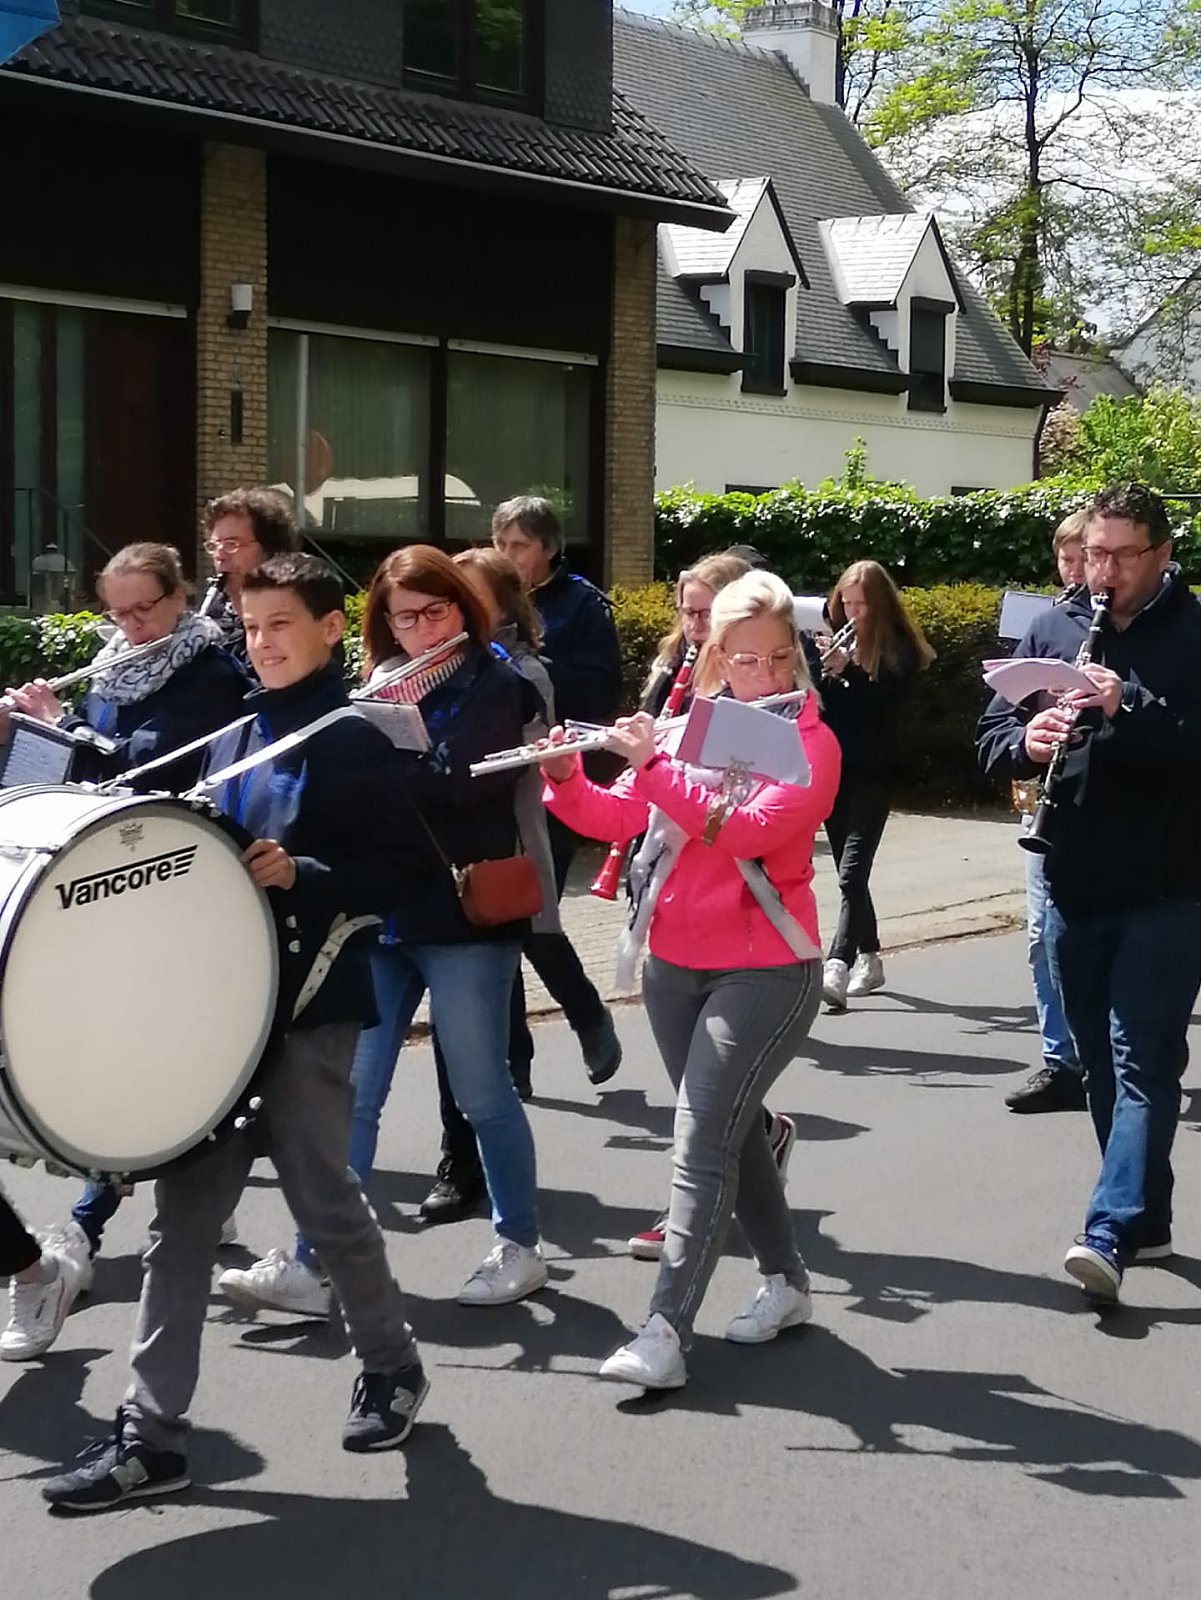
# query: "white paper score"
[[721, 732], [1017, 679]]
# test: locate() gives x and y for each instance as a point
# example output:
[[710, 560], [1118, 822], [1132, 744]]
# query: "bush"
[[809, 536], [642, 617], [46, 647]]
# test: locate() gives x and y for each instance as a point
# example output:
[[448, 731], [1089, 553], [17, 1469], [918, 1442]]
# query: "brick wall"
[[630, 407], [233, 249]]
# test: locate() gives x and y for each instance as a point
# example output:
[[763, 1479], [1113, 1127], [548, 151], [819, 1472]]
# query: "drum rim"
[[47, 1144]]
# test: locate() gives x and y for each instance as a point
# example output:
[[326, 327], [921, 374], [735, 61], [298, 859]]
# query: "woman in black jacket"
[[863, 691], [135, 712]]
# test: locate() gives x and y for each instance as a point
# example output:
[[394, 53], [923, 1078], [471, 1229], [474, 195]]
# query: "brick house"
[[403, 255]]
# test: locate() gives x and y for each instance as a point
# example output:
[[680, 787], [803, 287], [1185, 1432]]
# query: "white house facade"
[[829, 311]]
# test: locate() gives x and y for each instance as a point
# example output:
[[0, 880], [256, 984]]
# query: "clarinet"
[[604, 886], [1035, 838]]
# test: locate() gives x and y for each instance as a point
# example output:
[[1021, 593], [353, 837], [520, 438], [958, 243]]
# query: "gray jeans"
[[725, 1037], [306, 1112]]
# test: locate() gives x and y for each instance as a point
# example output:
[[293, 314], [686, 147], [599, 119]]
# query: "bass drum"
[[139, 980]]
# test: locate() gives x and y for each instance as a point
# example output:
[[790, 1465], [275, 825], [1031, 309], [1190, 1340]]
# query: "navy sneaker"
[[1096, 1266], [114, 1470], [383, 1408]]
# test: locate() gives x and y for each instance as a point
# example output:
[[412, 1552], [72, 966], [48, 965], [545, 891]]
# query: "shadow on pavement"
[[448, 1538]]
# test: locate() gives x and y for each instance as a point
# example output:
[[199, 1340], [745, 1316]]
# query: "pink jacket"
[[706, 916]]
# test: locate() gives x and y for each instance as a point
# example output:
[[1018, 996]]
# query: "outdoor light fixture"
[[241, 303]]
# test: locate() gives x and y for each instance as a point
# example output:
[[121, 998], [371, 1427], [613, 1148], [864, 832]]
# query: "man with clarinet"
[[1121, 763]]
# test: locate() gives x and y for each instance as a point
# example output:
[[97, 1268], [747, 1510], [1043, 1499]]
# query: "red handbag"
[[493, 892]]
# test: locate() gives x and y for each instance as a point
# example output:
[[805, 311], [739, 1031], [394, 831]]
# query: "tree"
[[1154, 438]]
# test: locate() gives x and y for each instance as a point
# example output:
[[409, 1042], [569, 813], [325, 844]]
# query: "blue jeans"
[[1058, 1049], [469, 988], [1129, 979], [94, 1209]]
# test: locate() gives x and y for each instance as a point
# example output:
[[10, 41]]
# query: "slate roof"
[[1080, 379], [708, 255], [734, 107], [633, 161], [873, 255]]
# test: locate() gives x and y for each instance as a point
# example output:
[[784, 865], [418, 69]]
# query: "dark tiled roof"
[[634, 159], [685, 324], [734, 108]]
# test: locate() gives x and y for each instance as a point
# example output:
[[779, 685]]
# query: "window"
[[927, 357], [223, 19], [516, 426], [763, 336], [365, 416], [477, 48]]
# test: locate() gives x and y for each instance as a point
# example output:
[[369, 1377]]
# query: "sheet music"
[[1018, 611], [1016, 680], [402, 723], [721, 732]]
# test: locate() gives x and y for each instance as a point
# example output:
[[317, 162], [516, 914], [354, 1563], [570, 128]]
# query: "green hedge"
[[45, 647], [809, 536]]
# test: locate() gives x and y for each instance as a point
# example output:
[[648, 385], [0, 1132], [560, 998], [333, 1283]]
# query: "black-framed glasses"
[[436, 611], [1094, 556]]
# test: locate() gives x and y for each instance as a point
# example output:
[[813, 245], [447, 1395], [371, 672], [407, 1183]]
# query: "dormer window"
[[764, 311], [928, 355], [230, 20], [478, 49]]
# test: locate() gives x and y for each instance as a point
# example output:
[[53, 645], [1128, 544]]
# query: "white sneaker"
[[867, 975], [38, 1311], [508, 1272], [834, 985], [277, 1283], [72, 1242], [778, 1305], [229, 1232], [653, 1360]]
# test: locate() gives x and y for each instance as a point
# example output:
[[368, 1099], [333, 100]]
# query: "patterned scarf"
[[127, 685], [411, 691]]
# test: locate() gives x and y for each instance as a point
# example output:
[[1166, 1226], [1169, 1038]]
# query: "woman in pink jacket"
[[733, 978]]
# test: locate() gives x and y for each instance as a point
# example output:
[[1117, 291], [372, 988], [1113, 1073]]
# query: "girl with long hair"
[[723, 897], [863, 692]]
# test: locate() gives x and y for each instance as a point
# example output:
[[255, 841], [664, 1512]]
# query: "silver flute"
[[95, 669], [583, 736]]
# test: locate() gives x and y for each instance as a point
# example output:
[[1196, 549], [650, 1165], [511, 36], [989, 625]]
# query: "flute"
[[95, 669], [1035, 838], [582, 737], [604, 885]]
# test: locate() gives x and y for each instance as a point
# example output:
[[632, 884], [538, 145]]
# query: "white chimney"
[[806, 32]]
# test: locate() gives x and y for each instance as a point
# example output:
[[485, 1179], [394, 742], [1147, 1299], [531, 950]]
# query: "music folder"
[[720, 733], [402, 723]]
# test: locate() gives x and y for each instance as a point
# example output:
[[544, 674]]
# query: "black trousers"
[[854, 828], [18, 1247], [553, 957]]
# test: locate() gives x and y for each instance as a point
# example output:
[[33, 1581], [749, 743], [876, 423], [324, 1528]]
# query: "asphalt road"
[[956, 1423]]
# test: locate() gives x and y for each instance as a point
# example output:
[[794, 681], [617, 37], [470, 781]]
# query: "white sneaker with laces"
[[835, 976], [277, 1283], [867, 975], [229, 1232], [778, 1305], [72, 1242], [653, 1360], [38, 1311], [508, 1272]]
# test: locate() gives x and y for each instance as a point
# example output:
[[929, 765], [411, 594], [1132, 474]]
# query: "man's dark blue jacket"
[[338, 805], [580, 646], [1125, 828]]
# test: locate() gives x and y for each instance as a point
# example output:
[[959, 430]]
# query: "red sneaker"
[[648, 1246]]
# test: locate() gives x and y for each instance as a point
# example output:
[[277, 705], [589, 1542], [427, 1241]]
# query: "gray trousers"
[[725, 1037], [306, 1112]]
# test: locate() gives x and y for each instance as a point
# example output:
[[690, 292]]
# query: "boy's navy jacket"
[[339, 806], [201, 697], [1124, 830], [482, 708], [580, 644]]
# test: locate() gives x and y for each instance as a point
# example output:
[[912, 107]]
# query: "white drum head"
[[139, 986]]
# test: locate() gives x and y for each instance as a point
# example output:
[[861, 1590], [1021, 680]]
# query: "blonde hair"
[[1069, 531], [888, 633], [754, 595], [715, 572]]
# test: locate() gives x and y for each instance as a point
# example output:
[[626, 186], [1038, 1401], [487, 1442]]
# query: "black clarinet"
[[1035, 838]]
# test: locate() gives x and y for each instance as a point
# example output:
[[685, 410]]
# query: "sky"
[[655, 8]]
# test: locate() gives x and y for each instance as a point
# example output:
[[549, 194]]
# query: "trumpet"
[[95, 669], [843, 642], [584, 736]]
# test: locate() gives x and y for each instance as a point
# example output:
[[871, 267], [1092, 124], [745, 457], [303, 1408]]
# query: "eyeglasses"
[[228, 546], [695, 614], [142, 612], [747, 661], [1094, 556], [436, 611]]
